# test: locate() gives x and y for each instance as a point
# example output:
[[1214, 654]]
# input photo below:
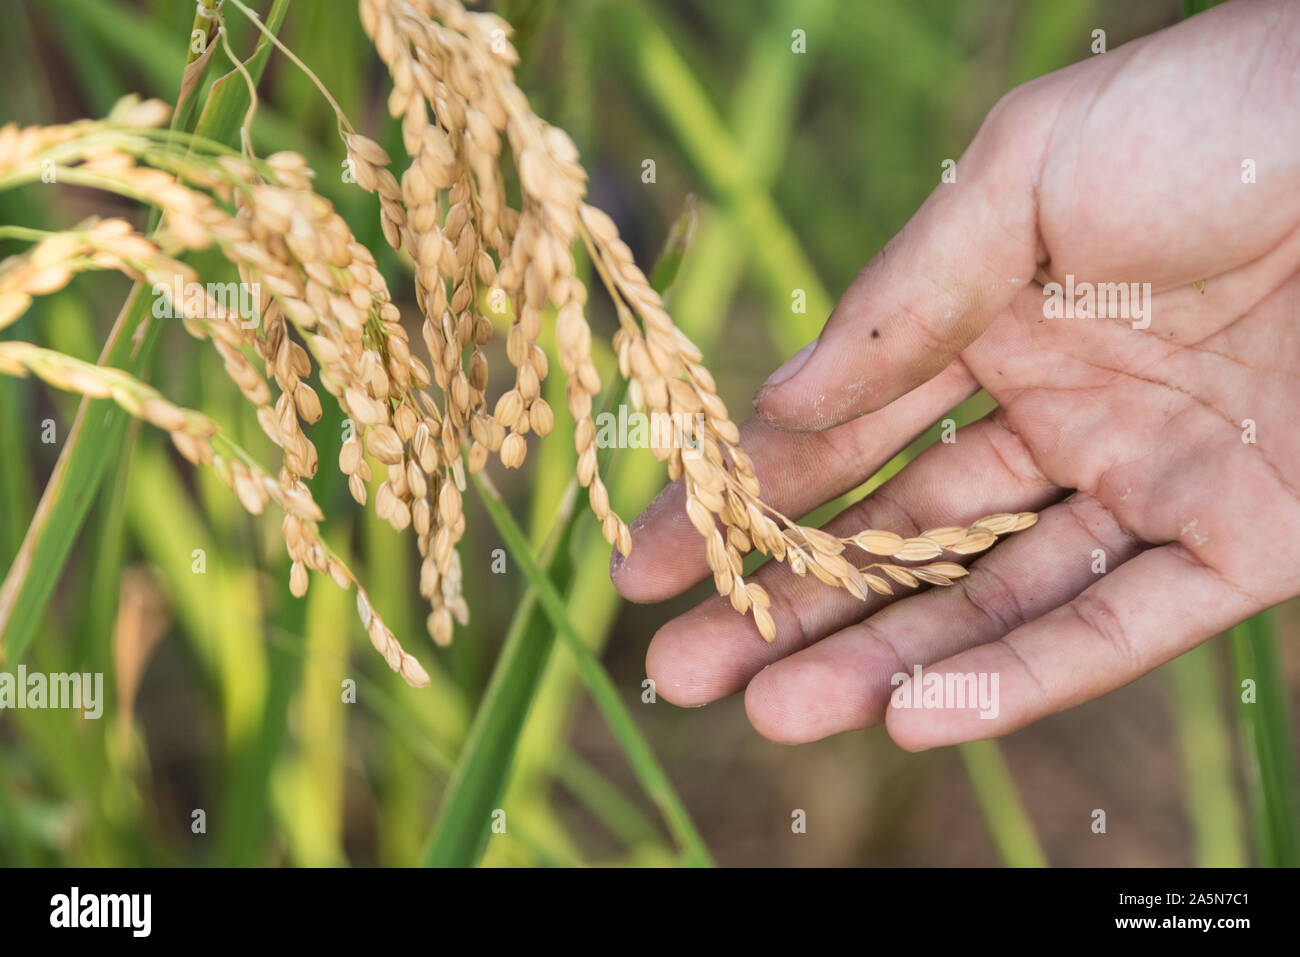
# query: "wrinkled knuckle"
[[791, 627], [1100, 617], [989, 594]]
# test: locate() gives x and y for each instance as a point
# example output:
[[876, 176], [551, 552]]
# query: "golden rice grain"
[[325, 307]]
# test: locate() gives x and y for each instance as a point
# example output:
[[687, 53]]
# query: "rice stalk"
[[1264, 723], [488, 757], [456, 66], [90, 445], [644, 764], [462, 115], [1205, 746], [1009, 824], [200, 440]]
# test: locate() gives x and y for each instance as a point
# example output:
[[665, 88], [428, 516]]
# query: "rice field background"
[[534, 746]]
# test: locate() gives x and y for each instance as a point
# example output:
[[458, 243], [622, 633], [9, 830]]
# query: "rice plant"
[[375, 315]]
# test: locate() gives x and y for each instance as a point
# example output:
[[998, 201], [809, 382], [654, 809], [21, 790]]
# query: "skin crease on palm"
[[1126, 167]]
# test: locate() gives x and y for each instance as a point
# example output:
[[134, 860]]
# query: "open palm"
[[1161, 450]]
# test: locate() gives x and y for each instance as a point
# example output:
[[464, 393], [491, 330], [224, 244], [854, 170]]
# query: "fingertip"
[[667, 553], [643, 579], [704, 655], [780, 402], [774, 412], [796, 700], [914, 730], [763, 708], [904, 737], [791, 367], [820, 397], [669, 666]]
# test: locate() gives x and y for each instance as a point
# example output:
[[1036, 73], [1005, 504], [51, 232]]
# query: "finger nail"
[[784, 372], [788, 368]]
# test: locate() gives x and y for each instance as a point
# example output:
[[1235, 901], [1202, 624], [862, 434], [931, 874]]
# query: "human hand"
[[1127, 167]]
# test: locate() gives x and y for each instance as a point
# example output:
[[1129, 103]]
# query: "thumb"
[[959, 262]]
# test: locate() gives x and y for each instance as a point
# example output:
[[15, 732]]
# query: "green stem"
[[1008, 822], [603, 692], [1206, 749], [1266, 740], [609, 804], [461, 832]]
